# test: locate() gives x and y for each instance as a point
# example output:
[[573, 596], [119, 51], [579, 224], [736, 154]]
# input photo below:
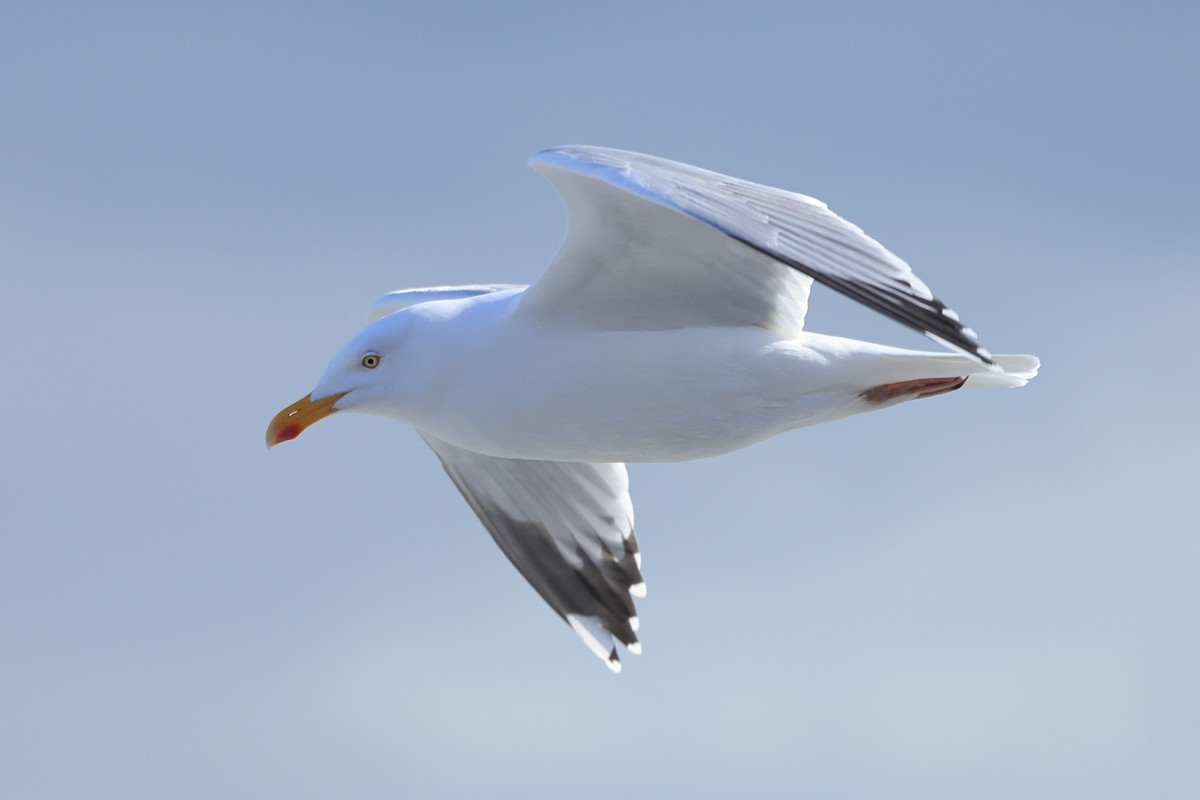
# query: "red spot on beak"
[[287, 433], [291, 422]]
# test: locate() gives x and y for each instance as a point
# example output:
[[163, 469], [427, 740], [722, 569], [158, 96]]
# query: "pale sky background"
[[985, 595]]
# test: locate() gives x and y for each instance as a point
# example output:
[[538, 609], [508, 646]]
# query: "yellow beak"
[[291, 422]]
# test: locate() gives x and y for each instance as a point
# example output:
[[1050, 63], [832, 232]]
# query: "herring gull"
[[669, 326]]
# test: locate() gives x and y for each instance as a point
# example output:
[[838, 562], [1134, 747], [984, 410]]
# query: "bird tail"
[[885, 365], [1017, 371]]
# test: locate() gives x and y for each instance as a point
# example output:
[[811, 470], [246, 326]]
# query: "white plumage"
[[670, 326]]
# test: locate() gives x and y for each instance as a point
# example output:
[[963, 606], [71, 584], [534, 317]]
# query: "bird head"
[[364, 374]]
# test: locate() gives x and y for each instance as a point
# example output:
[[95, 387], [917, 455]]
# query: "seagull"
[[669, 326]]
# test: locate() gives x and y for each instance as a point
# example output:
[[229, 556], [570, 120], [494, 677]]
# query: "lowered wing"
[[568, 528]]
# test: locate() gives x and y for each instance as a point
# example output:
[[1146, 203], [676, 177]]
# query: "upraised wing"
[[655, 244], [403, 298], [568, 528]]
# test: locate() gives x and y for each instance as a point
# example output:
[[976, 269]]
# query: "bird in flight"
[[669, 326]]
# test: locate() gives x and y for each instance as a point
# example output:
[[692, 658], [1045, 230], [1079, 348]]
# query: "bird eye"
[[370, 360]]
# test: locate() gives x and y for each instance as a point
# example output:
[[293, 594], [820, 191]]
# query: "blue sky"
[[989, 594]]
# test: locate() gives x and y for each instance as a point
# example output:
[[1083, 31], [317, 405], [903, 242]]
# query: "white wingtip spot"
[[638, 589], [598, 640], [634, 624], [637, 559], [635, 648]]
